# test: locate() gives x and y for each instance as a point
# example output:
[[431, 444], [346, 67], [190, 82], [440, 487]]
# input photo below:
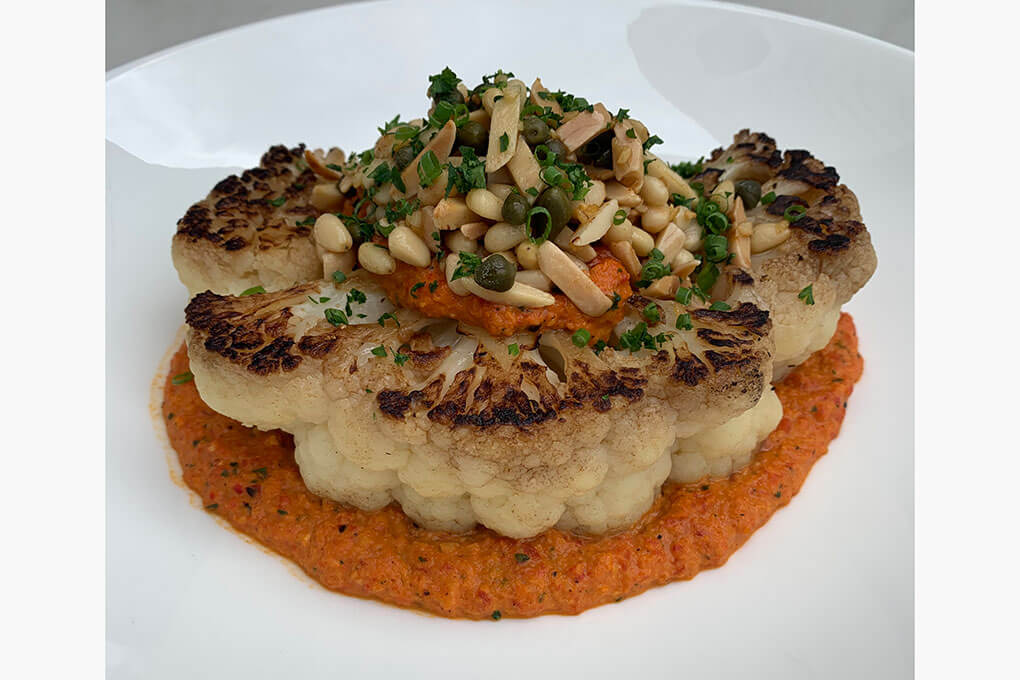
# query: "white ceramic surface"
[[824, 590]]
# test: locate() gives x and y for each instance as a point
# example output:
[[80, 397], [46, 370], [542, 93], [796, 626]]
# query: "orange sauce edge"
[[250, 479]]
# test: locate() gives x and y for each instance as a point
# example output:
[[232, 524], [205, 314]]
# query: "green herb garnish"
[[807, 295], [580, 338], [336, 318], [182, 378], [254, 290]]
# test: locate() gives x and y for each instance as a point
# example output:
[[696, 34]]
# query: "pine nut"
[[451, 213], [485, 203], [504, 236], [376, 259], [618, 232], [327, 197], [656, 218], [683, 263], [535, 279], [527, 255], [642, 242], [338, 262], [407, 246], [654, 191], [670, 241], [456, 242], [474, 230], [331, 233]]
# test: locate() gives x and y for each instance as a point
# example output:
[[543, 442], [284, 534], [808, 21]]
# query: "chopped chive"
[[254, 290], [182, 378], [581, 337]]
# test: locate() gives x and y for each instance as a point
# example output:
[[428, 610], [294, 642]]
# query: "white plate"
[[824, 590]]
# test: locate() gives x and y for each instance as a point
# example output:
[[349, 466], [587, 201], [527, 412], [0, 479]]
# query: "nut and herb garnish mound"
[[250, 478]]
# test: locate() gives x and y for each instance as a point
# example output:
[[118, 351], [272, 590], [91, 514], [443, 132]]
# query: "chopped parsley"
[[182, 378], [651, 141], [379, 351], [639, 338], [254, 290], [513, 350], [504, 142], [277, 202], [496, 615], [416, 287], [599, 347], [433, 286], [521, 558], [687, 169], [631, 133], [356, 296], [466, 265], [683, 322], [807, 295], [719, 306], [336, 318], [307, 222], [429, 168], [388, 315], [443, 83], [339, 276], [400, 359], [580, 338], [470, 174]]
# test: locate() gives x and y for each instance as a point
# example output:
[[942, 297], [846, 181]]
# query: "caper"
[[557, 147], [535, 130], [515, 209], [403, 156], [749, 192], [555, 200], [473, 134], [495, 273]]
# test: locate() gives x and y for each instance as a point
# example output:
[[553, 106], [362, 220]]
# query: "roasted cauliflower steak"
[[460, 429]]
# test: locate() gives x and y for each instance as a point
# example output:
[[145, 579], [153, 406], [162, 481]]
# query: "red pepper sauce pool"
[[250, 479]]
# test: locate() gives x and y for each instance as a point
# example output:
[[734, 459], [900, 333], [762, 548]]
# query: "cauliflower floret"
[[719, 451]]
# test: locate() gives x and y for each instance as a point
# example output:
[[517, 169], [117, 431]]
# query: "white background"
[[52, 581]]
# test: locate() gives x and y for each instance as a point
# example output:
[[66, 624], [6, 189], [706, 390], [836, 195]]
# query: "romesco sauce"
[[425, 290], [250, 479]]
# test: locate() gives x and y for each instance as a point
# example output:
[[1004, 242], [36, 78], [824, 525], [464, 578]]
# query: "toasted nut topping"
[[768, 235], [624, 252], [327, 197], [519, 295], [331, 234], [407, 246], [574, 283], [376, 259], [597, 227]]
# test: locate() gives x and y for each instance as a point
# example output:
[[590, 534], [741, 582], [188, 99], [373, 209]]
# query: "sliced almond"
[[506, 113], [317, 162], [596, 228], [440, 145], [537, 90], [519, 295], [574, 283], [663, 288], [524, 168], [584, 127], [624, 252]]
